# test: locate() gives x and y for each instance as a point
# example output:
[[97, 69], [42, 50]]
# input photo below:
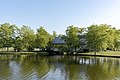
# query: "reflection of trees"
[[43, 67], [6, 57], [92, 68], [37, 65], [96, 72], [112, 66], [106, 69], [65, 67], [4, 70], [29, 67], [73, 71]]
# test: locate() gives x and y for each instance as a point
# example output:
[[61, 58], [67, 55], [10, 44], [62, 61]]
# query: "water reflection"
[[58, 68]]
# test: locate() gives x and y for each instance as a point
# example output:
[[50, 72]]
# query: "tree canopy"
[[101, 37], [6, 34], [72, 37], [42, 38], [95, 37]]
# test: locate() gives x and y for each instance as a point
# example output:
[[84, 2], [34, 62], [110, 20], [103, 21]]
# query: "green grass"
[[107, 53], [42, 53], [110, 53], [22, 53], [11, 52]]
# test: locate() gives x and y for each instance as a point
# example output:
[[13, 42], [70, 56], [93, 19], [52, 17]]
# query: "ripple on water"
[[16, 72], [55, 73], [32, 69]]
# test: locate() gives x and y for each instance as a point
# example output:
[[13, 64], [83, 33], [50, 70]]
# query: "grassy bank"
[[110, 53], [23, 53], [99, 54], [102, 54]]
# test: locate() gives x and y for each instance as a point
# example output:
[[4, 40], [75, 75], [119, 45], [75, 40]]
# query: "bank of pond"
[[113, 54]]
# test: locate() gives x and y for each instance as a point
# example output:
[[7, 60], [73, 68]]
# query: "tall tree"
[[72, 37], [100, 37], [116, 39], [51, 38], [6, 34], [17, 40], [42, 38], [28, 37]]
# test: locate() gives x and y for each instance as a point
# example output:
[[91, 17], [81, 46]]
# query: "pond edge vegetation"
[[95, 38]]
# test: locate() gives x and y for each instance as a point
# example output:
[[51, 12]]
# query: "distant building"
[[58, 41]]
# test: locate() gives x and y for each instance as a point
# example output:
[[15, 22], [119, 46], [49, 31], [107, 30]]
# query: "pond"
[[58, 68]]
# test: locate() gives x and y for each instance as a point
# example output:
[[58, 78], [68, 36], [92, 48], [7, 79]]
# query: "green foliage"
[[96, 37], [28, 38], [54, 34], [24, 38], [117, 39], [18, 45], [6, 33], [42, 39], [17, 40], [50, 43], [72, 37], [51, 38], [101, 36]]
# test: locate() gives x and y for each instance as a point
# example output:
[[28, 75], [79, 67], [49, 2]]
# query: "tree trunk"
[[94, 52], [75, 49]]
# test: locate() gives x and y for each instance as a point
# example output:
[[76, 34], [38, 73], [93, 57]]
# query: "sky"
[[57, 15]]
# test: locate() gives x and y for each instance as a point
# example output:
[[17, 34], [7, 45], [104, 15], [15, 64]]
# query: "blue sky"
[[57, 15]]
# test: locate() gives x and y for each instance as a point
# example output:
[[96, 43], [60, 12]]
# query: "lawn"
[[107, 53]]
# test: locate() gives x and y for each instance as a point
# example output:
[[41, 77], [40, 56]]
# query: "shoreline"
[[103, 54], [98, 55]]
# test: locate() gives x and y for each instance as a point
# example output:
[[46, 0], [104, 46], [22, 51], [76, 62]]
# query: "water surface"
[[58, 68]]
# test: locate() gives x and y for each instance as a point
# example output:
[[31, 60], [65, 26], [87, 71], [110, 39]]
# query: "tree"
[[42, 38], [16, 39], [1, 38], [6, 34], [18, 44], [100, 37], [54, 34], [72, 37], [116, 39], [51, 38], [28, 38]]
